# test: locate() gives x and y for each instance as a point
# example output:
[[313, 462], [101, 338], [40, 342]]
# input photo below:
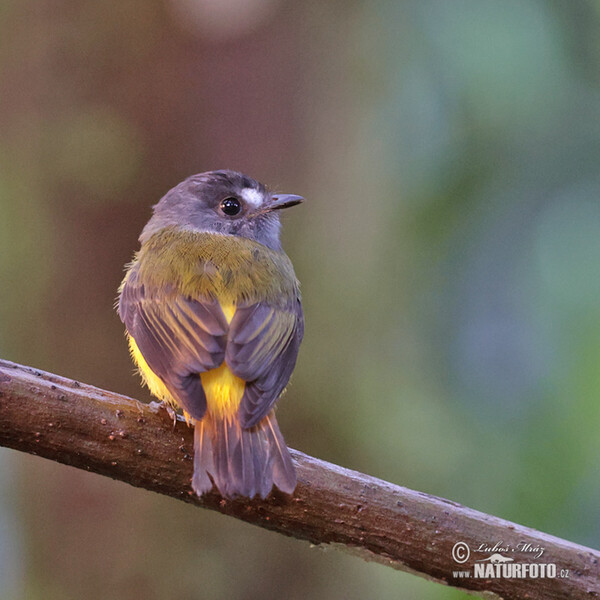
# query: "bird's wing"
[[178, 337], [262, 348]]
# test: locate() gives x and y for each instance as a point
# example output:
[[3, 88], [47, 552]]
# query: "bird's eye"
[[231, 206]]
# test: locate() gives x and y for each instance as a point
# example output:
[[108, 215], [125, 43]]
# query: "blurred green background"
[[449, 253]]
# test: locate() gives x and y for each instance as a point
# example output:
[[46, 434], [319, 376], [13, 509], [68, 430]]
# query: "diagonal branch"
[[116, 436]]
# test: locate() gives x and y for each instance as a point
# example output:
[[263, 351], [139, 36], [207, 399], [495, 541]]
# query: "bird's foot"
[[169, 410]]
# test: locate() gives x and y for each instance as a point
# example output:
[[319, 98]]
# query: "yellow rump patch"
[[223, 391], [228, 311]]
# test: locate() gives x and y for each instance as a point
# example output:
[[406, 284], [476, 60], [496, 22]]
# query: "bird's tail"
[[241, 462]]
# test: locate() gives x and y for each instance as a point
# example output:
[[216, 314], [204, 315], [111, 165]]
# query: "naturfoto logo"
[[504, 561]]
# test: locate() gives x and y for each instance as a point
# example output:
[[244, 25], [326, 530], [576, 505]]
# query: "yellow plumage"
[[223, 391], [155, 385]]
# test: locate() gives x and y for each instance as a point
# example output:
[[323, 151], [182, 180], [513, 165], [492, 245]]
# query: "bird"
[[213, 316]]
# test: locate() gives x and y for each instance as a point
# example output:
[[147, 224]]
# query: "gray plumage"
[[192, 203]]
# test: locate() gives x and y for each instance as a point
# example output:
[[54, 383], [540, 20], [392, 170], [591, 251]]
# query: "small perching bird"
[[212, 309]]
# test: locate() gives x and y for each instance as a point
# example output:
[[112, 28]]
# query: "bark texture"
[[110, 434]]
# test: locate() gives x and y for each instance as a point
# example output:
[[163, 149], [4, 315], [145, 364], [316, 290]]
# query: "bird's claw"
[[170, 411]]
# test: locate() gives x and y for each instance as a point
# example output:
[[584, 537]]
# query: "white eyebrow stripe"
[[252, 197]]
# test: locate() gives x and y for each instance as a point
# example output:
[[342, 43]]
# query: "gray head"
[[223, 202]]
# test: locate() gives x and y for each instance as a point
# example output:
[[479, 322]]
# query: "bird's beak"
[[283, 201]]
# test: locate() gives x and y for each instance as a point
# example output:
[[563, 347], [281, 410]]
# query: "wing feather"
[[178, 337], [263, 347]]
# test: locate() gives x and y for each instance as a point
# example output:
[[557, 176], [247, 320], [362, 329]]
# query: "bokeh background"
[[449, 253]]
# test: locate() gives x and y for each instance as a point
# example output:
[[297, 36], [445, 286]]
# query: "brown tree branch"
[[113, 435]]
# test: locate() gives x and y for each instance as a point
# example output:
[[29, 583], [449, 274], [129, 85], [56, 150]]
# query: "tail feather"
[[241, 462], [284, 473], [203, 454]]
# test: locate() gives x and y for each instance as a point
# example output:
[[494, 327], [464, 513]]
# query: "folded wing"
[[178, 337], [262, 350]]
